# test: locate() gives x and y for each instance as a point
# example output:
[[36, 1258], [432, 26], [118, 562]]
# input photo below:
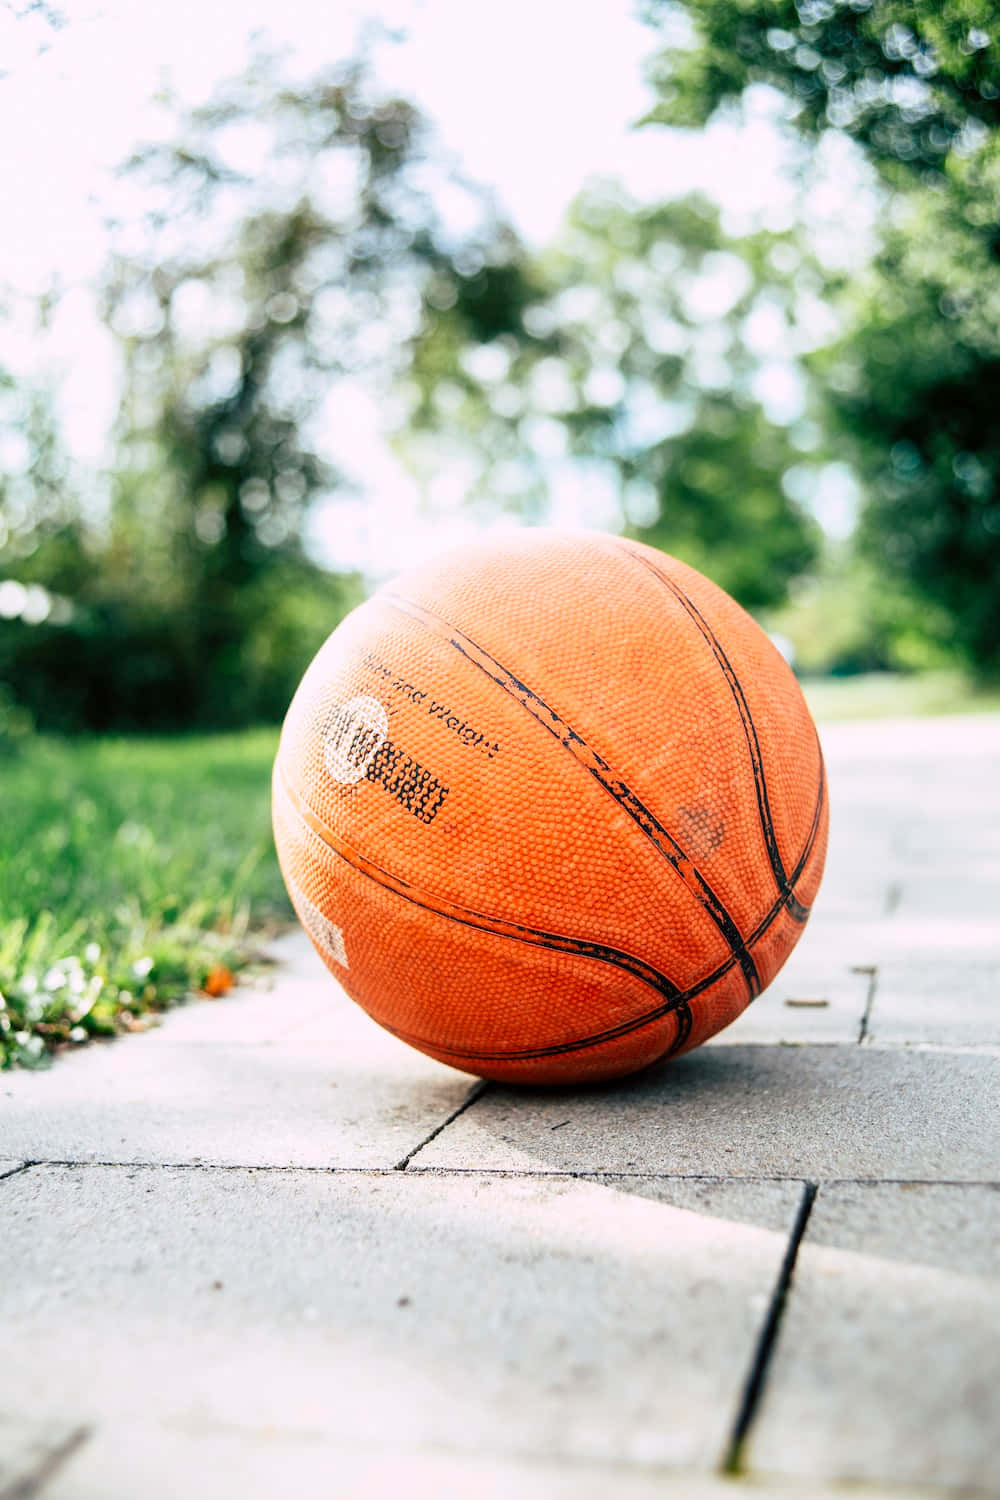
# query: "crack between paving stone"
[[872, 971], [476, 1092], [753, 1390], [580, 1173], [32, 1484], [22, 1166]]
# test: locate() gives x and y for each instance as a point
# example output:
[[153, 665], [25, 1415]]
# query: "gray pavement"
[[267, 1250], [808, 1112]]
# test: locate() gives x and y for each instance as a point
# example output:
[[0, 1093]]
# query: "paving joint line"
[[872, 971], [15, 1171], [32, 1484], [732, 1463], [578, 1173], [477, 1091]]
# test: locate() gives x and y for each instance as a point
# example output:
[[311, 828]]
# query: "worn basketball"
[[551, 807]]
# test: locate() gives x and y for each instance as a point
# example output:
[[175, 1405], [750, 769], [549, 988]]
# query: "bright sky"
[[534, 121]]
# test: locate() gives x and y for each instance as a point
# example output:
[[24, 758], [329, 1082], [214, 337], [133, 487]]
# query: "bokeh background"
[[291, 295]]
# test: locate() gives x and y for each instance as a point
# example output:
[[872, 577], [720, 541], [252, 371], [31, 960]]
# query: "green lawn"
[[132, 871], [881, 695]]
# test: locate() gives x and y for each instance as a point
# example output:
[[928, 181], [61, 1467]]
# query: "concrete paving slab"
[[927, 937], [204, 1088], [953, 1226], [887, 1366], [819, 996], [808, 1112], [860, 862], [937, 1000], [286, 1104], [31, 1450], [502, 1318], [858, 878], [965, 837], [908, 793], [160, 1464], [941, 893], [896, 750], [739, 1201]]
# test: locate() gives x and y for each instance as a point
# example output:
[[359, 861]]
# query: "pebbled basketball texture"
[[551, 807]]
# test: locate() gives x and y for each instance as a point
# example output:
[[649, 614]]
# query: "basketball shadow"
[[810, 1113]]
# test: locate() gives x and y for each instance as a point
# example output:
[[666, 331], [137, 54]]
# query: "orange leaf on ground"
[[218, 981]]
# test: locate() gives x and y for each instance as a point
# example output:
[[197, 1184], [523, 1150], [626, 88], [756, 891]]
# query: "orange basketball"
[[551, 807]]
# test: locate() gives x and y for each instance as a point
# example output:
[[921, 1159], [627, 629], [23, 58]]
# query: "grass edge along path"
[[134, 873]]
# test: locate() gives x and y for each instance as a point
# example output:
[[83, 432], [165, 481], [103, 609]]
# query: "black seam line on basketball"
[[675, 1004], [679, 1008], [679, 1003], [795, 908], [743, 708], [685, 1022], [499, 927], [784, 901], [598, 768]]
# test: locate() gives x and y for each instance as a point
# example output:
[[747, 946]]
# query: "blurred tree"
[[915, 383], [234, 342], [41, 531], [847, 617], [647, 346], [911, 80], [289, 237], [916, 387], [45, 556], [37, 22]]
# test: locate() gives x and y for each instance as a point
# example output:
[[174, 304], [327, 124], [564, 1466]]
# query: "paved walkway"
[[266, 1250]]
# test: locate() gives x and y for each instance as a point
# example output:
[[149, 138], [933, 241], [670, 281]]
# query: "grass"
[[133, 872], [879, 695]]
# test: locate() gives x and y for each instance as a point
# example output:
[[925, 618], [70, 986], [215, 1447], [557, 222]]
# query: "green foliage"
[[911, 82], [848, 618], [913, 386], [42, 535], [137, 869], [129, 663], [722, 508], [16, 725], [621, 362], [916, 389], [235, 340], [287, 241]]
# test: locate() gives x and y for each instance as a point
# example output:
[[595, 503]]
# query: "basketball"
[[551, 807]]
